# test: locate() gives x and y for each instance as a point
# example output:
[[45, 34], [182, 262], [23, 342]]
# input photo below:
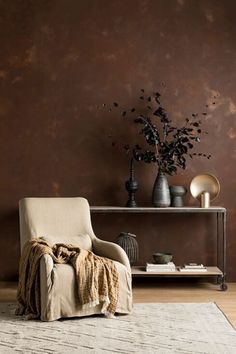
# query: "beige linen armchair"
[[67, 220]]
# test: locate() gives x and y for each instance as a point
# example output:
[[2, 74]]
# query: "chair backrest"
[[58, 220]]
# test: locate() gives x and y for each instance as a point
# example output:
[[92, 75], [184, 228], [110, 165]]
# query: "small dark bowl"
[[162, 258]]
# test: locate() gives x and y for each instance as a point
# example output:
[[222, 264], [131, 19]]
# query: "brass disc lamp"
[[205, 188]]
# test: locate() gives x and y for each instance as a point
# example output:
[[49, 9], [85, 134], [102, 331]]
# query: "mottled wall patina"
[[60, 59]]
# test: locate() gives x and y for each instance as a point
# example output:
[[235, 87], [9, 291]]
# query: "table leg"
[[221, 249], [223, 285], [217, 239]]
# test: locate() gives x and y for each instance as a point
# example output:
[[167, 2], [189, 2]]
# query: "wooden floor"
[[154, 290]]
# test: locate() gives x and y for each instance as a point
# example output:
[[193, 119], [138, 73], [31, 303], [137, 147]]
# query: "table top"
[[118, 209]]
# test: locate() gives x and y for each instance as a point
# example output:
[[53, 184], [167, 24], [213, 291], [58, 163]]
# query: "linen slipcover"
[[67, 220]]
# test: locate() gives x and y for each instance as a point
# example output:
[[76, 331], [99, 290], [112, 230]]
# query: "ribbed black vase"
[[129, 244], [161, 191]]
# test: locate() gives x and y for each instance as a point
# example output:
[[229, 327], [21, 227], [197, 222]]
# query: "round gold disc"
[[205, 183]]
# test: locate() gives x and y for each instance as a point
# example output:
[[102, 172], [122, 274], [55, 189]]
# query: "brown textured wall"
[[59, 59]]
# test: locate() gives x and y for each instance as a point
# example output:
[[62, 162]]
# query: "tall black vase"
[[161, 191]]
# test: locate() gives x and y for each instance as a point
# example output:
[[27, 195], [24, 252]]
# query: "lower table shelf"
[[140, 271]]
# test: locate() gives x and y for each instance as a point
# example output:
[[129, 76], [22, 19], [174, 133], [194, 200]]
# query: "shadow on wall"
[[9, 244]]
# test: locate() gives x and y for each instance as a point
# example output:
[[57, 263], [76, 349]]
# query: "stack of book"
[[154, 267], [193, 267]]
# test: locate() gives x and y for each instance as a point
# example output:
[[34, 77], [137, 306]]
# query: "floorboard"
[[156, 290]]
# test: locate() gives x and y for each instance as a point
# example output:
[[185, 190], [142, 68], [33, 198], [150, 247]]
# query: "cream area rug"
[[151, 328]]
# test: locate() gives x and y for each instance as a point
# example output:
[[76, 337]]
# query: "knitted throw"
[[97, 277]]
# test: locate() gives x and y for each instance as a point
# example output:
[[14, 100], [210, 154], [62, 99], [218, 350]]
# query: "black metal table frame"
[[221, 229], [221, 224]]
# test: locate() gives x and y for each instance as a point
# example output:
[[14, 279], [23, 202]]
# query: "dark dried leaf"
[[149, 99], [185, 140], [199, 131], [141, 98], [113, 143], [142, 90], [160, 112], [204, 113], [115, 104], [132, 110]]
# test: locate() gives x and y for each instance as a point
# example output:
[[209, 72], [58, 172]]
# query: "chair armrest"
[[46, 265], [46, 285], [110, 250]]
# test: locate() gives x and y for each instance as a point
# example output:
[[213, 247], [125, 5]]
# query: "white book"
[[156, 265], [153, 267], [162, 270], [193, 270], [193, 266]]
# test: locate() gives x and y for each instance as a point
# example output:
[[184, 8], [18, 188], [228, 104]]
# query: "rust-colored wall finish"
[[60, 60]]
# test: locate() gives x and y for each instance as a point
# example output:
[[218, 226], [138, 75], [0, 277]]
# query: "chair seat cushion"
[[64, 299]]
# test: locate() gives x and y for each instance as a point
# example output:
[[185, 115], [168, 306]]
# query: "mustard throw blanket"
[[97, 277]]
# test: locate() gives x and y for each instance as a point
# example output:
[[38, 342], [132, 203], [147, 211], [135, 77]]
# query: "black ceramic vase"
[[161, 191], [129, 244], [177, 194]]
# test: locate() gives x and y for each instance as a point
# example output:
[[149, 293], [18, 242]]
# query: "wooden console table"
[[218, 271]]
